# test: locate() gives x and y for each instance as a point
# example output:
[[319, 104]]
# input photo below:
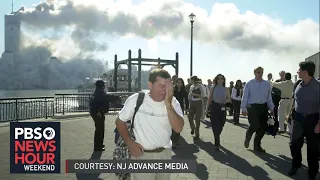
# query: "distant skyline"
[[230, 37]]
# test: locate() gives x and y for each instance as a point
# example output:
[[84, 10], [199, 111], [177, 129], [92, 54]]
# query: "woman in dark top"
[[181, 95]]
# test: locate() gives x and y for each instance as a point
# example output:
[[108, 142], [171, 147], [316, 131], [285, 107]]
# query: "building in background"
[[316, 60], [12, 36]]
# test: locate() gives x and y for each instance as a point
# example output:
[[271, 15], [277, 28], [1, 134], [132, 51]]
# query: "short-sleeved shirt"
[[307, 97], [152, 128], [295, 86]]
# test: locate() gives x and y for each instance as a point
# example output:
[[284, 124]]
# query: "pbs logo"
[[37, 133]]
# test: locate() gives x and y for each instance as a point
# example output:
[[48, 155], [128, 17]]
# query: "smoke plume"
[[73, 30]]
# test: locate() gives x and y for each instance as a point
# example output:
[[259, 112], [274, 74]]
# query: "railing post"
[[45, 107], [53, 106], [62, 104], [17, 110]]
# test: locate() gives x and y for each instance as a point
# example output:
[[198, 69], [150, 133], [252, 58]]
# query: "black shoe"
[[217, 146], [99, 149], [292, 171], [196, 137], [259, 149], [192, 132], [246, 143], [312, 177]]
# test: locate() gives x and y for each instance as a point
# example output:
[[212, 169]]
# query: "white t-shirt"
[[152, 128]]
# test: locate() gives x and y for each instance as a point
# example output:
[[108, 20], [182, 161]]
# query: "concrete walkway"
[[233, 162]]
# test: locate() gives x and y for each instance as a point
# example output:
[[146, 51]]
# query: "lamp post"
[[192, 18]]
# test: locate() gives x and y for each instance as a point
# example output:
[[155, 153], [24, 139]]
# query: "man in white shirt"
[[159, 113], [286, 88]]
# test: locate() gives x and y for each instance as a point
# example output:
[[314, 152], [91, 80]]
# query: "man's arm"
[[245, 98], [175, 116], [190, 92], [269, 100], [210, 96], [291, 108], [125, 115], [123, 131]]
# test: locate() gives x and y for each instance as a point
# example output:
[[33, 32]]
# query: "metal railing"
[[15, 109]]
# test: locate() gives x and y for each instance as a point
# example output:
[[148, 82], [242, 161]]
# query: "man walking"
[[255, 103], [306, 121], [159, 113], [284, 106]]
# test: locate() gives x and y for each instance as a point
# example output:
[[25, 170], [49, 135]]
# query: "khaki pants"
[[195, 111], [164, 155], [283, 111]]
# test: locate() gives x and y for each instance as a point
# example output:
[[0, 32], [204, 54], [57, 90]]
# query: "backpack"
[[121, 151]]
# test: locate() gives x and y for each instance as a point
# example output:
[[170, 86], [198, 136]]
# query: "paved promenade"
[[233, 162]]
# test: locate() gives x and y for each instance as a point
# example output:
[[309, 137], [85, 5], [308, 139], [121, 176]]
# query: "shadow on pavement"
[[91, 176], [232, 160], [186, 151], [244, 126], [281, 164], [207, 123]]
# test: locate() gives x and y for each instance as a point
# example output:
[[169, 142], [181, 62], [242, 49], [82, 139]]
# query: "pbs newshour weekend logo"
[[35, 147]]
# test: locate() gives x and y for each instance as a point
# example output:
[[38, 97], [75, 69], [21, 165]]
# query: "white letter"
[[28, 133], [76, 166], [17, 132], [37, 133]]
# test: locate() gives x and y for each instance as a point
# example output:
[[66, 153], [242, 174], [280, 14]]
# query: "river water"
[[33, 93]]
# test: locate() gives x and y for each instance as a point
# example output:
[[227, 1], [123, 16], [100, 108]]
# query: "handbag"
[[121, 151]]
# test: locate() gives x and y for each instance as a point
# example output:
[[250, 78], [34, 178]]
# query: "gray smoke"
[[33, 69], [247, 31]]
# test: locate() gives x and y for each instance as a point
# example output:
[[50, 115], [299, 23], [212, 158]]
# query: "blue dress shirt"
[[256, 92]]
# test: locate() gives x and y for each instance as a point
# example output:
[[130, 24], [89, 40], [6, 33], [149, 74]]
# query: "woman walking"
[[181, 95], [236, 96], [219, 96]]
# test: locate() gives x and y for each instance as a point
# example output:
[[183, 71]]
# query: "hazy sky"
[[230, 37]]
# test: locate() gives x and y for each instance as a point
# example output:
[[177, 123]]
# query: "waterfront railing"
[[17, 109]]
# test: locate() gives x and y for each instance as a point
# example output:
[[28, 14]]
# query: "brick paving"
[[233, 162]]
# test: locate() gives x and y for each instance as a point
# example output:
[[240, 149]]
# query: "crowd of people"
[[159, 121]]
